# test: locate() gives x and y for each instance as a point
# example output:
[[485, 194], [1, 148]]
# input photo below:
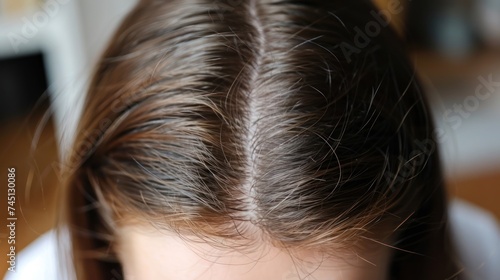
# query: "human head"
[[252, 125]]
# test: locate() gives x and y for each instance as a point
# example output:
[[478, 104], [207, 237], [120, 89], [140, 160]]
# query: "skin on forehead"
[[147, 254]]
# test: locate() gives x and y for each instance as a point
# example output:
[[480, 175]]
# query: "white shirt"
[[475, 232]]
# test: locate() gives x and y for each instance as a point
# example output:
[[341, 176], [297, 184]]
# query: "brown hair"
[[214, 119]]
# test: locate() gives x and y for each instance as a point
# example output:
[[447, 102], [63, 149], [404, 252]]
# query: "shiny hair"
[[216, 119]]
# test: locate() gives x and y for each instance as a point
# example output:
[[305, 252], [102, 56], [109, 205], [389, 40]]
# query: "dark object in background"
[[22, 82], [448, 26]]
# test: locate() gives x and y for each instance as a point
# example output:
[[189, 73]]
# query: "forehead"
[[155, 255]]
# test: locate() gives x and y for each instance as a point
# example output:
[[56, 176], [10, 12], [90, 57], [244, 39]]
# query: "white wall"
[[99, 20], [54, 29], [71, 34]]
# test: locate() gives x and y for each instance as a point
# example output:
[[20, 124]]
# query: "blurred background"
[[48, 49]]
